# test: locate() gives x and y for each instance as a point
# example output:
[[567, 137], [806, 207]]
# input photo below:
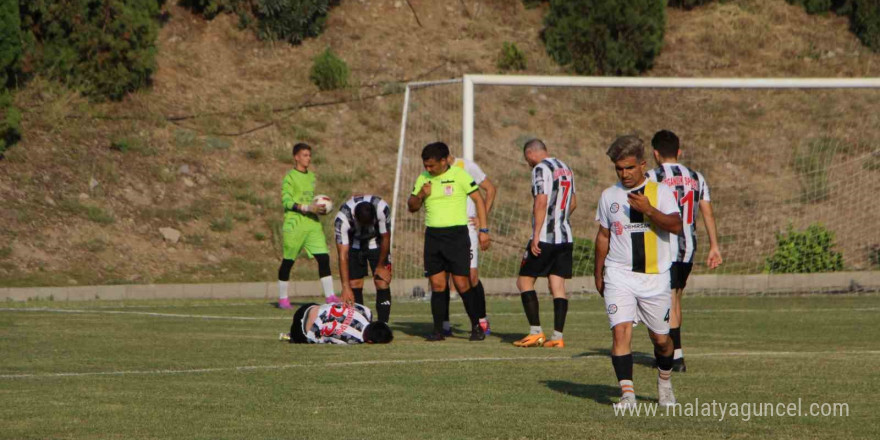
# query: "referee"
[[444, 192]]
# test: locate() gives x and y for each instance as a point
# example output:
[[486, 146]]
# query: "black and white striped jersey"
[[555, 179], [350, 233], [339, 323], [689, 188]]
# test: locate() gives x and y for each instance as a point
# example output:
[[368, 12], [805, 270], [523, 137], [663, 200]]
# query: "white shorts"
[[475, 245], [638, 297]]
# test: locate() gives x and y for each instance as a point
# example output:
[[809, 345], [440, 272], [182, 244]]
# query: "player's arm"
[[347, 295], [288, 199], [417, 198], [714, 259], [603, 241], [491, 191], [539, 211], [482, 219], [574, 203]]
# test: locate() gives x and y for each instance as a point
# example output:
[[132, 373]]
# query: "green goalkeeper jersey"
[[299, 188]]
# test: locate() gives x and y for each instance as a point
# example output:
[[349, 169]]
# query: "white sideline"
[[417, 361]]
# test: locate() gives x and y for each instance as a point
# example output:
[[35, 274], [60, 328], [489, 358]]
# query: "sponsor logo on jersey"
[[614, 208], [682, 181], [617, 227], [561, 172]]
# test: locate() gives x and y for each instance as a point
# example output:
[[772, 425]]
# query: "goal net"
[[793, 167]]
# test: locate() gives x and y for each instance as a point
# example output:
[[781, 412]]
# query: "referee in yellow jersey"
[[444, 191]]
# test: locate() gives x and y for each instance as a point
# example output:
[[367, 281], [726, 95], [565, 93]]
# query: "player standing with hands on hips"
[[638, 220], [444, 190], [302, 229]]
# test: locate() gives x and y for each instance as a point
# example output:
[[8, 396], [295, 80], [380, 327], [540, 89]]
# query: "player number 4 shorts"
[[638, 297]]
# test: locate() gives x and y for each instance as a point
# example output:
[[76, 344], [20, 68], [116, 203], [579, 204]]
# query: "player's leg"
[[654, 310], [479, 293], [532, 267], [456, 253], [435, 270], [560, 271], [447, 324], [292, 239], [621, 308], [316, 245], [357, 270], [679, 273], [383, 289]]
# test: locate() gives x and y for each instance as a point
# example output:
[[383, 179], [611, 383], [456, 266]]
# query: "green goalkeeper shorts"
[[300, 233]]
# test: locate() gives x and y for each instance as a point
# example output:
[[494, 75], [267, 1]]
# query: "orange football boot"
[[531, 341], [557, 343]]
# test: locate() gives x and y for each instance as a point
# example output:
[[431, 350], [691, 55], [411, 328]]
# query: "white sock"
[[626, 387], [664, 375], [327, 284], [556, 336], [483, 320], [447, 325], [282, 289], [678, 354], [535, 329]]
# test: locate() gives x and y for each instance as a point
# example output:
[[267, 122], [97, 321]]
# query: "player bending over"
[[479, 294], [363, 239], [444, 191], [338, 323], [638, 220], [302, 229], [690, 190], [549, 251]]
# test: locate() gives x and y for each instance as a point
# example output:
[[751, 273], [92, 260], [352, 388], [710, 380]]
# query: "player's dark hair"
[[378, 333], [534, 145], [365, 213], [297, 336], [301, 146], [666, 143], [626, 146], [436, 151]]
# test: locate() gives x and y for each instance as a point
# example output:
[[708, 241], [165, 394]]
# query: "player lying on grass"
[[638, 220], [363, 241], [338, 323]]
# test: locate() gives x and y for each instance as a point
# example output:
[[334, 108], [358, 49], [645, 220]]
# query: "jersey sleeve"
[[365, 311], [651, 175], [288, 192], [383, 216], [601, 212], [666, 201], [342, 227], [542, 180], [467, 182], [420, 181], [704, 188], [477, 173]]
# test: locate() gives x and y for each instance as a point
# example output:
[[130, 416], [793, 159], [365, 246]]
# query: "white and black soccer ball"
[[324, 201]]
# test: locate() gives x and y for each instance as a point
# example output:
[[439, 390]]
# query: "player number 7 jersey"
[[555, 179]]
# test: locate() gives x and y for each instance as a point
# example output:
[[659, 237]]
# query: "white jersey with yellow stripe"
[[636, 244]]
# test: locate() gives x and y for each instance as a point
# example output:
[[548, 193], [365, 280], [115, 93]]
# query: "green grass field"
[[215, 369]]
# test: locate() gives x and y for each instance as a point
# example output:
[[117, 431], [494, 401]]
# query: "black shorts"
[[679, 273], [361, 259], [447, 250], [555, 259]]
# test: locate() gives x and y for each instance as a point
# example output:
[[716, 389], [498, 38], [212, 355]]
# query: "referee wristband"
[[486, 230]]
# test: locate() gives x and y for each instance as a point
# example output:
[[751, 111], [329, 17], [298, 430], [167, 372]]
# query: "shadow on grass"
[[639, 358], [601, 394]]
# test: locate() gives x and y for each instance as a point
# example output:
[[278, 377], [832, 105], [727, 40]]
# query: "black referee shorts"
[[447, 250], [679, 273], [555, 259]]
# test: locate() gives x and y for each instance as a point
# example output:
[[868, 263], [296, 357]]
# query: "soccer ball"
[[324, 201]]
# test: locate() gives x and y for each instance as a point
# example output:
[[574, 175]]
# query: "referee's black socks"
[[383, 304], [530, 305], [468, 298], [479, 300], [438, 302]]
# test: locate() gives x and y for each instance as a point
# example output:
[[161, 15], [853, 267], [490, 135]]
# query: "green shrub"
[[10, 122], [10, 41], [874, 255], [529, 4], [688, 4], [291, 20], [807, 251], [212, 8], [605, 37], [866, 22], [511, 58], [329, 71], [813, 6]]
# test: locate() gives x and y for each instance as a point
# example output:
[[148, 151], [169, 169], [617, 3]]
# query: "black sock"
[[446, 306], [383, 304], [663, 362], [468, 299], [358, 295], [284, 270], [479, 300], [675, 334], [437, 302], [560, 309], [623, 366], [530, 305]]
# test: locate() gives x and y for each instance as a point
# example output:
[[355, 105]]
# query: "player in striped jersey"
[[634, 249], [337, 323], [479, 294], [549, 251], [690, 191], [363, 240]]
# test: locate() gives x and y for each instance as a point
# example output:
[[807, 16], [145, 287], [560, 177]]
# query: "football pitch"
[[210, 369]]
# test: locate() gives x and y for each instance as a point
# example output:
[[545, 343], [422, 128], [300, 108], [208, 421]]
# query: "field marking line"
[[422, 361]]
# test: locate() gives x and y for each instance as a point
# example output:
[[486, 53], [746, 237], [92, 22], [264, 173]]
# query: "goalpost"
[[792, 165]]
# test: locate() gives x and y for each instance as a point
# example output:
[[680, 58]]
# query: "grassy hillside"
[[204, 151]]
